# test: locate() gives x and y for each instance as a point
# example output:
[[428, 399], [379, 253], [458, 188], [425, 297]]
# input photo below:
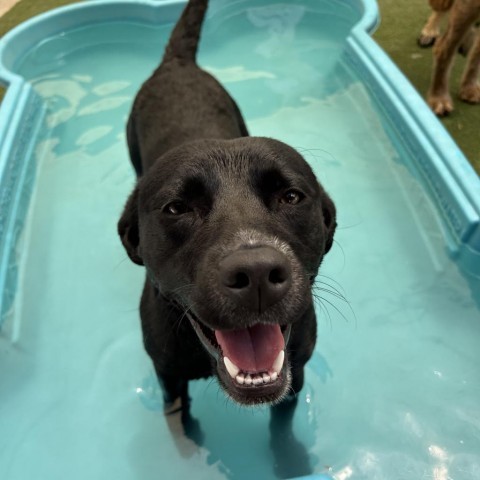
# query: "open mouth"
[[251, 361]]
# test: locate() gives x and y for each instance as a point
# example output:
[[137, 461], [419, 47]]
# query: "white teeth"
[[257, 378], [232, 369], [278, 363], [243, 378]]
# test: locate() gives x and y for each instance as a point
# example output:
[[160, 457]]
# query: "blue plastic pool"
[[393, 390]]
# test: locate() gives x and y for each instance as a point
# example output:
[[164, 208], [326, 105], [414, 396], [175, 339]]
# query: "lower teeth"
[[256, 379], [260, 378]]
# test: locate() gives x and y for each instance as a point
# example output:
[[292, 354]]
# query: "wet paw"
[[172, 407], [441, 105], [192, 429], [291, 458], [470, 93]]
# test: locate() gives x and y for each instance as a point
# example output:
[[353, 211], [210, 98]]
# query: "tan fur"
[[459, 34], [431, 30], [441, 5]]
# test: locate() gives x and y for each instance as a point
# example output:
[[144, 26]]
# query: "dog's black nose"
[[255, 278]]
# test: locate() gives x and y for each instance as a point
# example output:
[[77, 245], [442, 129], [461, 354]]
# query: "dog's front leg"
[[291, 456], [176, 401], [168, 341], [162, 330], [431, 31], [176, 407], [174, 392], [470, 87], [300, 348], [461, 19]]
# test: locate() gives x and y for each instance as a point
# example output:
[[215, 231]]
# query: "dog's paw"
[[291, 457], [192, 429], [441, 105], [470, 93], [426, 40], [175, 406]]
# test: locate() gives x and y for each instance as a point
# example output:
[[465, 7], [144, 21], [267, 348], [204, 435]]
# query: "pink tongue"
[[253, 349]]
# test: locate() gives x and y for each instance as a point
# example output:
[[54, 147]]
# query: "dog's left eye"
[[292, 197], [176, 208]]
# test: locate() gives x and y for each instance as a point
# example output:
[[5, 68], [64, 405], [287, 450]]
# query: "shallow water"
[[393, 389]]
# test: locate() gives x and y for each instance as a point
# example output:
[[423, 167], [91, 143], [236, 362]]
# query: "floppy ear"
[[128, 228], [329, 219]]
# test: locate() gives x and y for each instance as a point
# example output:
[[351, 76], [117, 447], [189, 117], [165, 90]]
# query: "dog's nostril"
[[240, 280], [277, 276]]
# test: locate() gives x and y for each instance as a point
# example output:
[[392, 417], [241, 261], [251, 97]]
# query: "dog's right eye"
[[292, 197], [176, 208]]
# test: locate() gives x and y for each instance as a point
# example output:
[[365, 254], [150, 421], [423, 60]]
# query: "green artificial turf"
[[401, 23], [26, 9]]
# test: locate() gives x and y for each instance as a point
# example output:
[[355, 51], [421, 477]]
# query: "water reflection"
[[221, 443], [93, 109]]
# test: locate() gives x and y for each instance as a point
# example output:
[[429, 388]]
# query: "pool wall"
[[21, 116], [452, 184], [451, 181]]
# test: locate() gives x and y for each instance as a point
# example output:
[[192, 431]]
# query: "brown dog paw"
[[441, 105], [426, 40], [470, 93]]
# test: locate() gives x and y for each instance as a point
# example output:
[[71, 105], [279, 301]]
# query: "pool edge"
[[17, 174], [450, 180]]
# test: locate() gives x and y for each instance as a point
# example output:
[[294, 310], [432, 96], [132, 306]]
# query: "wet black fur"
[[188, 142]]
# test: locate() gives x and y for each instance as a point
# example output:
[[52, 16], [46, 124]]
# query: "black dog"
[[231, 229]]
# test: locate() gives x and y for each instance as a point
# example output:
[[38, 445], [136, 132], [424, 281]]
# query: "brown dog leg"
[[431, 31], [441, 5], [462, 18], [468, 42], [470, 87]]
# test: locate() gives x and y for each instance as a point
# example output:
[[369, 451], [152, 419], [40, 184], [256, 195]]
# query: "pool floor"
[[393, 389]]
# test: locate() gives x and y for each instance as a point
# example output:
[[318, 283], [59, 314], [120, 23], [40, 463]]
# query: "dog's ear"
[[329, 219], [128, 228]]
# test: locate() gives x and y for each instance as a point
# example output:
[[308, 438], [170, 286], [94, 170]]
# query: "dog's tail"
[[184, 38]]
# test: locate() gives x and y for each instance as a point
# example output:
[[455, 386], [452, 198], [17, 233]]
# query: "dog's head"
[[234, 232]]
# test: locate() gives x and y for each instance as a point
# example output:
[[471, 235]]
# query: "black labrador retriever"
[[231, 230]]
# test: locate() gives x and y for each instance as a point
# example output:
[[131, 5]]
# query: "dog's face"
[[234, 232]]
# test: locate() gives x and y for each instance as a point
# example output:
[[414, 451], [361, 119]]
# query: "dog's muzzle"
[[251, 362], [248, 293]]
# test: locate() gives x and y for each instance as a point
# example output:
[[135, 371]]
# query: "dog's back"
[[180, 102]]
